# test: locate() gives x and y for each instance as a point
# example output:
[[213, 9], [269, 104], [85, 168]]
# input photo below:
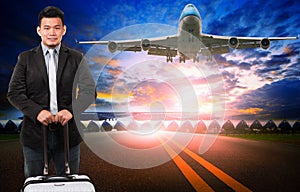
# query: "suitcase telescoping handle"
[[66, 148]]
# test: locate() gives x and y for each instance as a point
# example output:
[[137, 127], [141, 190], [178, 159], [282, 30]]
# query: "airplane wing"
[[221, 44], [168, 45], [163, 46]]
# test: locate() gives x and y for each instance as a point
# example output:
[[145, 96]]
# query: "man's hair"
[[51, 12]]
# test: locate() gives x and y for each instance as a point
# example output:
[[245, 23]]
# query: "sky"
[[242, 84]]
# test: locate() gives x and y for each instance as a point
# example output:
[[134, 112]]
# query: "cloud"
[[251, 111], [95, 20], [292, 49], [255, 54], [280, 99], [277, 60], [244, 65], [151, 91]]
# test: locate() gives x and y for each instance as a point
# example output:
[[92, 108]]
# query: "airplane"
[[189, 42]]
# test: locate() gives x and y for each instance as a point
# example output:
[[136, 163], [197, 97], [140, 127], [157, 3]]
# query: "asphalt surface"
[[260, 165], [255, 165]]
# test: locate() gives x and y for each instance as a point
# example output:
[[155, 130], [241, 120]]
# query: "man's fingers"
[[45, 117], [45, 123], [59, 117], [64, 122], [56, 118], [63, 117]]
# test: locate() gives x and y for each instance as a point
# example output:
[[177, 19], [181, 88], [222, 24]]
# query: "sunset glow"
[[249, 83]]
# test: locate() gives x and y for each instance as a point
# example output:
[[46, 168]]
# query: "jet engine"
[[233, 42], [112, 46], [145, 44], [265, 43]]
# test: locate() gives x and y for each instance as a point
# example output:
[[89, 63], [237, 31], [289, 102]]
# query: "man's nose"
[[52, 31]]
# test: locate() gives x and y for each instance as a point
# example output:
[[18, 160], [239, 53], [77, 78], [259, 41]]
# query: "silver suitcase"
[[69, 183]]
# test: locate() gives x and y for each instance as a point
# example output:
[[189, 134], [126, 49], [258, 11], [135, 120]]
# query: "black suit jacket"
[[29, 91]]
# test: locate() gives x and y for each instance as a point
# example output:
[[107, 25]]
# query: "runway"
[[230, 164]]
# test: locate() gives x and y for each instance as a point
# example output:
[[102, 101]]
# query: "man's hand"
[[63, 117], [45, 117]]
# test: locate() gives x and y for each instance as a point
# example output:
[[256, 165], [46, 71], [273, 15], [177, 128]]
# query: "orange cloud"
[[103, 60], [287, 50], [110, 96], [98, 59], [269, 79], [113, 62], [103, 95], [150, 92], [115, 71], [252, 111]]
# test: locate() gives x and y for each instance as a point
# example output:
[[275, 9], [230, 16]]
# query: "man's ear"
[[65, 29], [38, 30]]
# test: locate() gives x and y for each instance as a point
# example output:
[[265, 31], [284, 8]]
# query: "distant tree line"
[[284, 127], [214, 127], [10, 128]]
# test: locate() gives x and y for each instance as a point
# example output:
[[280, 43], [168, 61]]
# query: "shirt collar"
[[45, 48]]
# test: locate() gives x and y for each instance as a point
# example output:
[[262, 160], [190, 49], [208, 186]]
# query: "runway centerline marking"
[[227, 179], [195, 180]]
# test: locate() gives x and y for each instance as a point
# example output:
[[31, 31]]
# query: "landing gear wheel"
[[196, 59], [182, 59], [169, 58]]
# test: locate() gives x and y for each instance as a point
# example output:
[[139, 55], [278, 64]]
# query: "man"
[[51, 85]]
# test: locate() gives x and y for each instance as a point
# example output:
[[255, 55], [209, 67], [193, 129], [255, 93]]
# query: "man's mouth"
[[52, 39]]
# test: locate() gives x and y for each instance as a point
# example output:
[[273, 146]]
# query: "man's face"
[[51, 31]]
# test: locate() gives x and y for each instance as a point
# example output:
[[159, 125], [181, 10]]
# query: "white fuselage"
[[189, 32]]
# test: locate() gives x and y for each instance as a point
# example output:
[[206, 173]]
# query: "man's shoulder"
[[72, 51], [30, 52]]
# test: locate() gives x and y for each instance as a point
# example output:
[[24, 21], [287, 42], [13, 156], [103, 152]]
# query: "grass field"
[[283, 138], [9, 137]]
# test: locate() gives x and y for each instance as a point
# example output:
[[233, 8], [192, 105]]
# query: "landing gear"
[[169, 58], [182, 59], [196, 59], [209, 58], [169, 55]]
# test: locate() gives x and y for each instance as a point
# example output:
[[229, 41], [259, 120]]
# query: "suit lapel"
[[39, 60], [63, 55]]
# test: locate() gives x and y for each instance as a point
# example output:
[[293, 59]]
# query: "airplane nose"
[[188, 10], [190, 5]]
